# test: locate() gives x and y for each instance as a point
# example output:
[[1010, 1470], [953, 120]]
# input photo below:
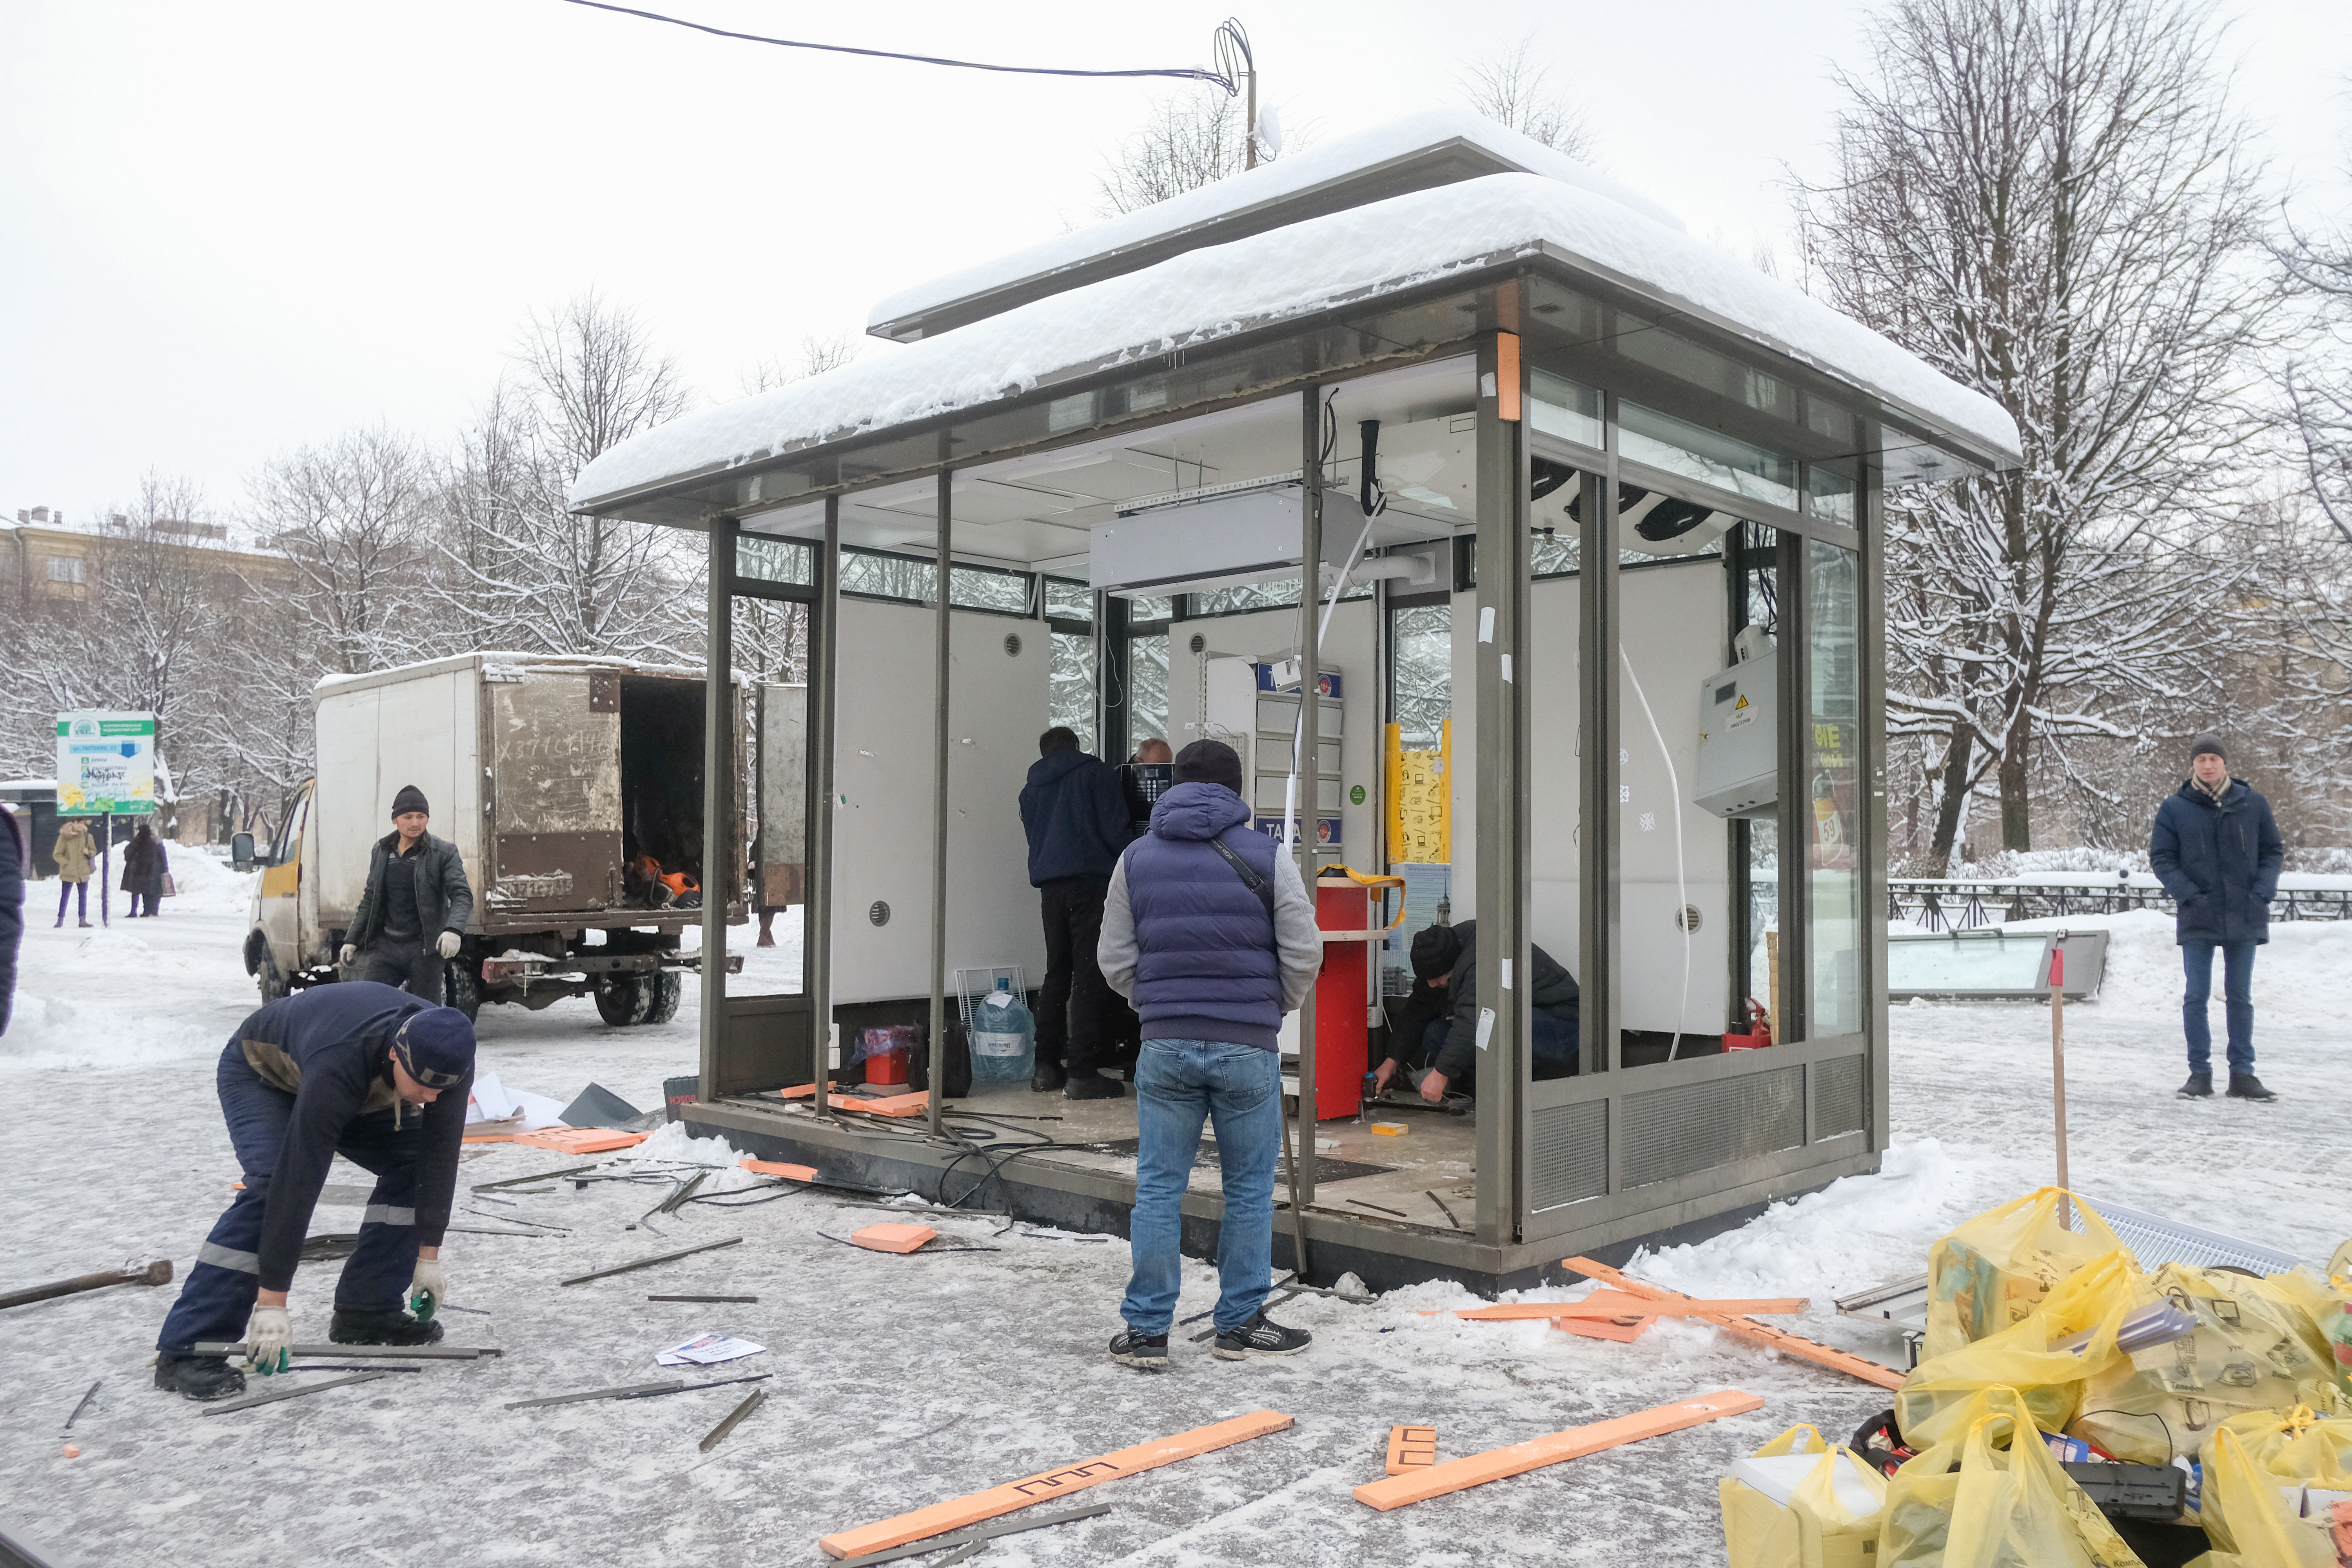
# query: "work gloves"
[[268, 1340], [348, 954], [425, 1288], [448, 944]]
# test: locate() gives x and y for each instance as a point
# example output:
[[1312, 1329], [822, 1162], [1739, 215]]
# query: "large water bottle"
[[1004, 1038]]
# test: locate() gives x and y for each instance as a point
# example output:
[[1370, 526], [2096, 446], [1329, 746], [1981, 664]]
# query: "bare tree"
[[2050, 200], [1508, 87], [2318, 384], [1190, 140], [815, 356]]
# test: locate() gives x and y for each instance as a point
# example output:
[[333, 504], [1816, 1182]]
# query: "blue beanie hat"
[[434, 1047]]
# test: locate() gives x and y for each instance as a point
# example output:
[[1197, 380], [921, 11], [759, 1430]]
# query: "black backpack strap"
[[1250, 878]]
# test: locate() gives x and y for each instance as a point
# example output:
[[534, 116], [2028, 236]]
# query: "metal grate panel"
[[1672, 1132], [1837, 1097], [1567, 1154]]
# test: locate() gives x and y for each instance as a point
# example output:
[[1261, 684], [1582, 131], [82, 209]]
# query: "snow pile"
[[1260, 187], [206, 885], [1221, 291]]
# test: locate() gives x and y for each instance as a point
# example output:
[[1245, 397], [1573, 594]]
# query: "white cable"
[[1682, 888]]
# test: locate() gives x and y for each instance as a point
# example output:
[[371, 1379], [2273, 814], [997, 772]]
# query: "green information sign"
[[1356, 795], [106, 763]]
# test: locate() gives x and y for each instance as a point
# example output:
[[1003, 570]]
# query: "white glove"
[[430, 1283], [448, 944], [349, 953], [268, 1340]]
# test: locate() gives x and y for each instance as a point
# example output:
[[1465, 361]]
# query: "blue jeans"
[[1238, 1089], [218, 1298], [2237, 1005]]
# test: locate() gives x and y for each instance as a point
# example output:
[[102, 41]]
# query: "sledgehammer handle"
[[156, 1273]]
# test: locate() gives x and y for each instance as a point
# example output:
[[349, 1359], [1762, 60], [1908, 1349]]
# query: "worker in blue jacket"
[[2217, 852], [359, 1069]]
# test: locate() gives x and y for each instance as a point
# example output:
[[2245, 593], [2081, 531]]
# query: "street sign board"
[[106, 763]]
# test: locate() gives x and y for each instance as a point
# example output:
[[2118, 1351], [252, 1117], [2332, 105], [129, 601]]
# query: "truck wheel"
[[271, 982], [624, 1001], [667, 985], [461, 986]]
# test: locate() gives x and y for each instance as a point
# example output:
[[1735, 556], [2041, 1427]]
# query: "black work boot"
[[206, 1377], [2198, 1087], [380, 1326], [1130, 1348], [2246, 1085], [1047, 1078], [1261, 1336], [1092, 1085]]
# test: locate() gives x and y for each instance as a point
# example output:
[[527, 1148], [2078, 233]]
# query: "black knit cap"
[[1210, 762], [1435, 950], [2208, 742], [410, 798]]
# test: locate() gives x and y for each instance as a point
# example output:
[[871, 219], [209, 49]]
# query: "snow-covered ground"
[[898, 1381]]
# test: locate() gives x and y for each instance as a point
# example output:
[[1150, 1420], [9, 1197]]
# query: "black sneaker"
[[2246, 1085], [1261, 1336], [1148, 1352], [1046, 1078], [380, 1326], [2198, 1087], [206, 1377], [1092, 1085]]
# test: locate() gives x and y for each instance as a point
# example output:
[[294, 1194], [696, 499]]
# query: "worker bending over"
[[1433, 1035], [358, 1070]]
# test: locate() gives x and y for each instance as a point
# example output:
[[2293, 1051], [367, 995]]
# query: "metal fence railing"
[[1951, 905]]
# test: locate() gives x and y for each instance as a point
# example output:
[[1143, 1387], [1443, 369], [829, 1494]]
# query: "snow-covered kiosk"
[[1595, 622]]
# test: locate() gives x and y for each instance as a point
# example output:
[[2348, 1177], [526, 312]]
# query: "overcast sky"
[[226, 230]]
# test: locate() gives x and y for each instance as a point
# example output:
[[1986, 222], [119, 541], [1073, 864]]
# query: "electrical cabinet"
[[1739, 739]]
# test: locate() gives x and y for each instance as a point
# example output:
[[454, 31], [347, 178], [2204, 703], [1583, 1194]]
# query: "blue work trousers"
[[2237, 1002], [1237, 1089], [218, 1298]]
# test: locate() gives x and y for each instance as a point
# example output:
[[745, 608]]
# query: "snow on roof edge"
[[1219, 291], [1383, 143]]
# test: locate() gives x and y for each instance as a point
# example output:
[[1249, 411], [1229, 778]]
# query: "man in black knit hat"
[[412, 917], [2217, 851]]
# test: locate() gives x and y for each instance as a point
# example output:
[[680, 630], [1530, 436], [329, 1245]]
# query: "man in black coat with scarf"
[[2217, 852]]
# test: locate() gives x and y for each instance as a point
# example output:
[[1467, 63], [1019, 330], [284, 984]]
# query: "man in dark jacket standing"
[[1445, 961], [413, 912], [1074, 813], [12, 909], [360, 1070], [1209, 932], [2217, 852]]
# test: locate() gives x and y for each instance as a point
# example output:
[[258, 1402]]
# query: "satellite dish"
[[1269, 131]]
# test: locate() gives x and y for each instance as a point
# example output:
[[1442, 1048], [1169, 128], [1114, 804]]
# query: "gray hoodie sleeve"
[[1296, 939], [1115, 951]]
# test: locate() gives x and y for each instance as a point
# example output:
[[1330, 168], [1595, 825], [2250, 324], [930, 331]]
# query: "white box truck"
[[572, 788]]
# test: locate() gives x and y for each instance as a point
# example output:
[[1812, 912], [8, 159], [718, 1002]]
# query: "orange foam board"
[[894, 1105], [1604, 1305], [892, 1237], [581, 1139], [491, 1138], [803, 1091], [779, 1168], [1748, 1329], [1412, 1448], [1623, 1330], [1495, 1464], [1050, 1485]]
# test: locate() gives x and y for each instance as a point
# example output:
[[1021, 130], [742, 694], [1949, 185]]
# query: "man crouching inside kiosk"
[[1207, 929], [360, 1070]]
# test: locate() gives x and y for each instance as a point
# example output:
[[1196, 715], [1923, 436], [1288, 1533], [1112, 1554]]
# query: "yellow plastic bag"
[[1967, 1502], [1933, 1402], [2297, 1445], [1816, 1529], [2256, 1349], [2247, 1520], [1994, 1269]]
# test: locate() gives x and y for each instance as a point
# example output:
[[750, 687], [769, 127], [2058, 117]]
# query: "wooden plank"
[[1047, 1486], [1605, 1305], [1412, 1448], [1623, 1330], [1497, 1464], [1748, 1329]]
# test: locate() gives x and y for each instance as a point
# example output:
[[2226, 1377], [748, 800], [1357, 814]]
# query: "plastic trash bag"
[[1816, 1528], [2297, 1445], [2250, 1524], [1971, 1502], [2256, 1349], [1936, 1396], [1990, 1272]]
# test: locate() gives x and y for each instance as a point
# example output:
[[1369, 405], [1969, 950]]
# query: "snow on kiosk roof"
[[1642, 303]]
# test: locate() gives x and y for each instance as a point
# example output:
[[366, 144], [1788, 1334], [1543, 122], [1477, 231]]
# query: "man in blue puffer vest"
[[1208, 930], [2217, 852]]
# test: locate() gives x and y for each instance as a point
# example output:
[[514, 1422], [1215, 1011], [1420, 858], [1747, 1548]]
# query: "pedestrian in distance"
[[12, 879], [76, 854], [1075, 815], [360, 1070], [1208, 929], [2217, 851], [143, 869], [413, 913]]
